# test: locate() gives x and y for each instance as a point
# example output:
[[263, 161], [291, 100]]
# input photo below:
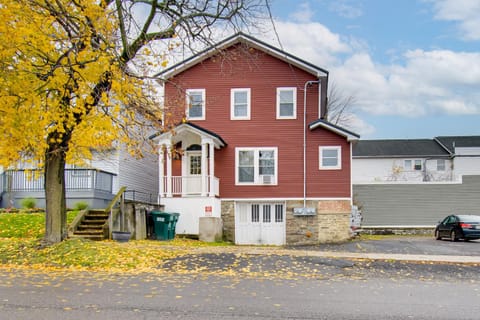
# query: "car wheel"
[[437, 235], [453, 236]]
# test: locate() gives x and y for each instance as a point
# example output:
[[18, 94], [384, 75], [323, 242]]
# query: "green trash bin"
[[162, 222], [173, 224]]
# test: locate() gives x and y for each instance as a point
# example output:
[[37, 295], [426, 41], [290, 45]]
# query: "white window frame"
[[338, 149], [258, 178], [409, 164], [188, 93], [294, 95], [441, 165], [233, 105]]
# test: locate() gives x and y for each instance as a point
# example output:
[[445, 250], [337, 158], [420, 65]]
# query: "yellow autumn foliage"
[[49, 69]]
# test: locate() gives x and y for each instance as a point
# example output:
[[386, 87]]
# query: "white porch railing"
[[190, 186]]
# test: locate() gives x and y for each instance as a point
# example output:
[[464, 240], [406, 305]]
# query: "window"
[[417, 165], [330, 158], [240, 104], [256, 166], [196, 104], [195, 165], [286, 103], [413, 165], [441, 165]]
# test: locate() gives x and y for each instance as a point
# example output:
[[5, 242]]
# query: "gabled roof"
[[450, 142], [192, 128], [398, 148], [334, 128], [250, 41]]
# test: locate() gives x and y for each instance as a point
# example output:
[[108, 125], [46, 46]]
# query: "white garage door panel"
[[260, 223]]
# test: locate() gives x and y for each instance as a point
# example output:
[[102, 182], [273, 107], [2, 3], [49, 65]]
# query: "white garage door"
[[260, 223]]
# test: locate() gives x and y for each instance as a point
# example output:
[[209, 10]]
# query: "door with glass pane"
[[260, 223], [193, 181]]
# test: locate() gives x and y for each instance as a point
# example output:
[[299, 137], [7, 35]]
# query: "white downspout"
[[310, 82]]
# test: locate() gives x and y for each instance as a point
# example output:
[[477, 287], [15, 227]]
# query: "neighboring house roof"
[[398, 148], [187, 127], [250, 41], [334, 128], [450, 142]]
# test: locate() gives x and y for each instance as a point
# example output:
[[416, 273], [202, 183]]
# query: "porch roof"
[[349, 135], [188, 127]]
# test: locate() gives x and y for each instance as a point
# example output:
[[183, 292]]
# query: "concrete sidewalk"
[[426, 258]]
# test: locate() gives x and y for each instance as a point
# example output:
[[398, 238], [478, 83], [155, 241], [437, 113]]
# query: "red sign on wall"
[[208, 211]]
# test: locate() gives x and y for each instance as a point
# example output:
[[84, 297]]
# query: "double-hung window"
[[330, 158], [441, 165], [413, 164], [256, 166], [240, 104], [286, 103], [195, 104]]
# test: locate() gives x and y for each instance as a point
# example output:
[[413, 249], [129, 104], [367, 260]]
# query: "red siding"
[[263, 74]]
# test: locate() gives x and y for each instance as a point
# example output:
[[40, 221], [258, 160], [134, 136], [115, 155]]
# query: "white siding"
[[378, 170], [140, 175], [467, 165]]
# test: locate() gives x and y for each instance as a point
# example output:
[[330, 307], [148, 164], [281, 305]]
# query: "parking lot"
[[403, 245]]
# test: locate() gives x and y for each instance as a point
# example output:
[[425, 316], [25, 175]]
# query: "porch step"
[[91, 227]]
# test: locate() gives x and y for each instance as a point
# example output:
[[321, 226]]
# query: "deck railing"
[[190, 185], [75, 179]]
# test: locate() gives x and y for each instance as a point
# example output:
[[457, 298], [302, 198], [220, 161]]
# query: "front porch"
[[187, 181], [187, 162]]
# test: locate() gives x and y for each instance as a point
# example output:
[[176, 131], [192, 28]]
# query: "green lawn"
[[21, 244]]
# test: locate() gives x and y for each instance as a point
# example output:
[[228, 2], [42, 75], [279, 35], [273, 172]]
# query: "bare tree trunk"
[[55, 213]]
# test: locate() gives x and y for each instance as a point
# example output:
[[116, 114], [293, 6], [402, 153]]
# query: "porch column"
[[204, 167], [165, 188], [211, 170], [161, 172], [169, 172]]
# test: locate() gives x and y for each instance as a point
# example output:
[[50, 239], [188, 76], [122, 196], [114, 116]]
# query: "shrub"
[[81, 205], [28, 203]]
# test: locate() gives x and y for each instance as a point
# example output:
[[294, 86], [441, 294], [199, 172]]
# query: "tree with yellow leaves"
[[70, 82]]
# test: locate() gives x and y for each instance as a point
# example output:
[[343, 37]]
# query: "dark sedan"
[[454, 227]]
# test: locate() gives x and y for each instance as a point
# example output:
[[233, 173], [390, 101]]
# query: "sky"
[[412, 66]]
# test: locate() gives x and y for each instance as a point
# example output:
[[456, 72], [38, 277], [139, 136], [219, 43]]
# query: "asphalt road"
[[403, 245], [241, 286]]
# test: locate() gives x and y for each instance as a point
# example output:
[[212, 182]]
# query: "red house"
[[246, 144]]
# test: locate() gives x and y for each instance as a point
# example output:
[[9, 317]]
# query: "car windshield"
[[469, 218]]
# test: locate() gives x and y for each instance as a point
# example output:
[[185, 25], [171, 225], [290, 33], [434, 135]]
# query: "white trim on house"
[[233, 103], [258, 178], [250, 41], [293, 90], [188, 94], [338, 157]]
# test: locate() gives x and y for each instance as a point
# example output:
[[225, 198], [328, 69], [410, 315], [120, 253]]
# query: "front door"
[[193, 181], [260, 223]]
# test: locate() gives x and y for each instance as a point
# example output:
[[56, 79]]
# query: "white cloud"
[[464, 12], [442, 82], [303, 14], [346, 10], [420, 83], [311, 41]]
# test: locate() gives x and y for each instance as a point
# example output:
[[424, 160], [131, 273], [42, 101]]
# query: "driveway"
[[420, 245]]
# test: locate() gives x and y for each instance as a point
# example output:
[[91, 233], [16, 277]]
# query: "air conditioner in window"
[[267, 179]]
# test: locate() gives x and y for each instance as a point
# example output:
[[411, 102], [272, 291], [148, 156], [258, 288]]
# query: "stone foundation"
[[228, 217], [330, 224]]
